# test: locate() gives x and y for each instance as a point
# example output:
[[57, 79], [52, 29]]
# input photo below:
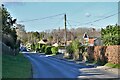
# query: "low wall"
[[105, 53]]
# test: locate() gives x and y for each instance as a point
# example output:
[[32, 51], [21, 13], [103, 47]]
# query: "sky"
[[78, 14]]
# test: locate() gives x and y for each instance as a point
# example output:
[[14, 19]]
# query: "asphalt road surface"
[[49, 67]]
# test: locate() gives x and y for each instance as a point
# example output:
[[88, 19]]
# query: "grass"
[[113, 65], [52, 54], [15, 66]]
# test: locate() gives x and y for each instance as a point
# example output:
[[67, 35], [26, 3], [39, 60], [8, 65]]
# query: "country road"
[[49, 67]]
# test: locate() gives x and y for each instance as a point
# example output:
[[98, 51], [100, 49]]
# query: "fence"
[[7, 50]]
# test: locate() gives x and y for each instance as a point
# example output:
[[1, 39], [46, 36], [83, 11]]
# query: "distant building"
[[98, 42], [42, 42], [55, 45], [92, 39], [86, 38]]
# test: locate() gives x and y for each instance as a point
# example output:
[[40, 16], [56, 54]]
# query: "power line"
[[42, 18], [95, 20], [107, 13], [102, 18], [69, 23], [58, 22], [96, 16], [91, 22]]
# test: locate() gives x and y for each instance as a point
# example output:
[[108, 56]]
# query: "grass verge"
[[15, 66], [113, 65]]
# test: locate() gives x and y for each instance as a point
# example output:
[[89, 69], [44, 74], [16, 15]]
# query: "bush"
[[100, 62], [37, 50], [48, 50], [33, 47], [43, 48], [54, 50], [76, 47], [69, 49], [37, 46]]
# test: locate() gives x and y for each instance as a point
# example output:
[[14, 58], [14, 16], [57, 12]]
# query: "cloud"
[[87, 14]]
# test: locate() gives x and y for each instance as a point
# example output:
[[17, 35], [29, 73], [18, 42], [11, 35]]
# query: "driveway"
[[45, 66]]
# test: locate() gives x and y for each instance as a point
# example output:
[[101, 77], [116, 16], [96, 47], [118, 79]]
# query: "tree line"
[[111, 35], [9, 36]]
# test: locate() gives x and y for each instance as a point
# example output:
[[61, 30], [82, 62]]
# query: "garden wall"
[[105, 53]]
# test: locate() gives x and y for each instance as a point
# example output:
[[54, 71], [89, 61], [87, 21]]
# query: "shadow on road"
[[51, 67]]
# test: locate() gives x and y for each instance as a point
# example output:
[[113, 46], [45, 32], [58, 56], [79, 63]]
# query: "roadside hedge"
[[43, 48], [48, 50], [54, 50]]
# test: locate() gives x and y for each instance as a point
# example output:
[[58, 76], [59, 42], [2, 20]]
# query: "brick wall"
[[105, 53]]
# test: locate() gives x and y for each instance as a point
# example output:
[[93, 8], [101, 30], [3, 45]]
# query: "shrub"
[[37, 50], [75, 46], [85, 56], [69, 49], [54, 50], [43, 48], [48, 50], [100, 62], [33, 47], [37, 46]]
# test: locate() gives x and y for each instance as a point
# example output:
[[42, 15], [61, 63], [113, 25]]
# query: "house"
[[42, 42], [91, 41], [98, 42], [92, 38], [55, 45]]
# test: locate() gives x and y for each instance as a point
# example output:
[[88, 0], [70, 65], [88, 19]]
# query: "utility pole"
[[65, 31]]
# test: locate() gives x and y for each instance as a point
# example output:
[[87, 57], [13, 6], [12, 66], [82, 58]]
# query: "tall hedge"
[[111, 35]]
